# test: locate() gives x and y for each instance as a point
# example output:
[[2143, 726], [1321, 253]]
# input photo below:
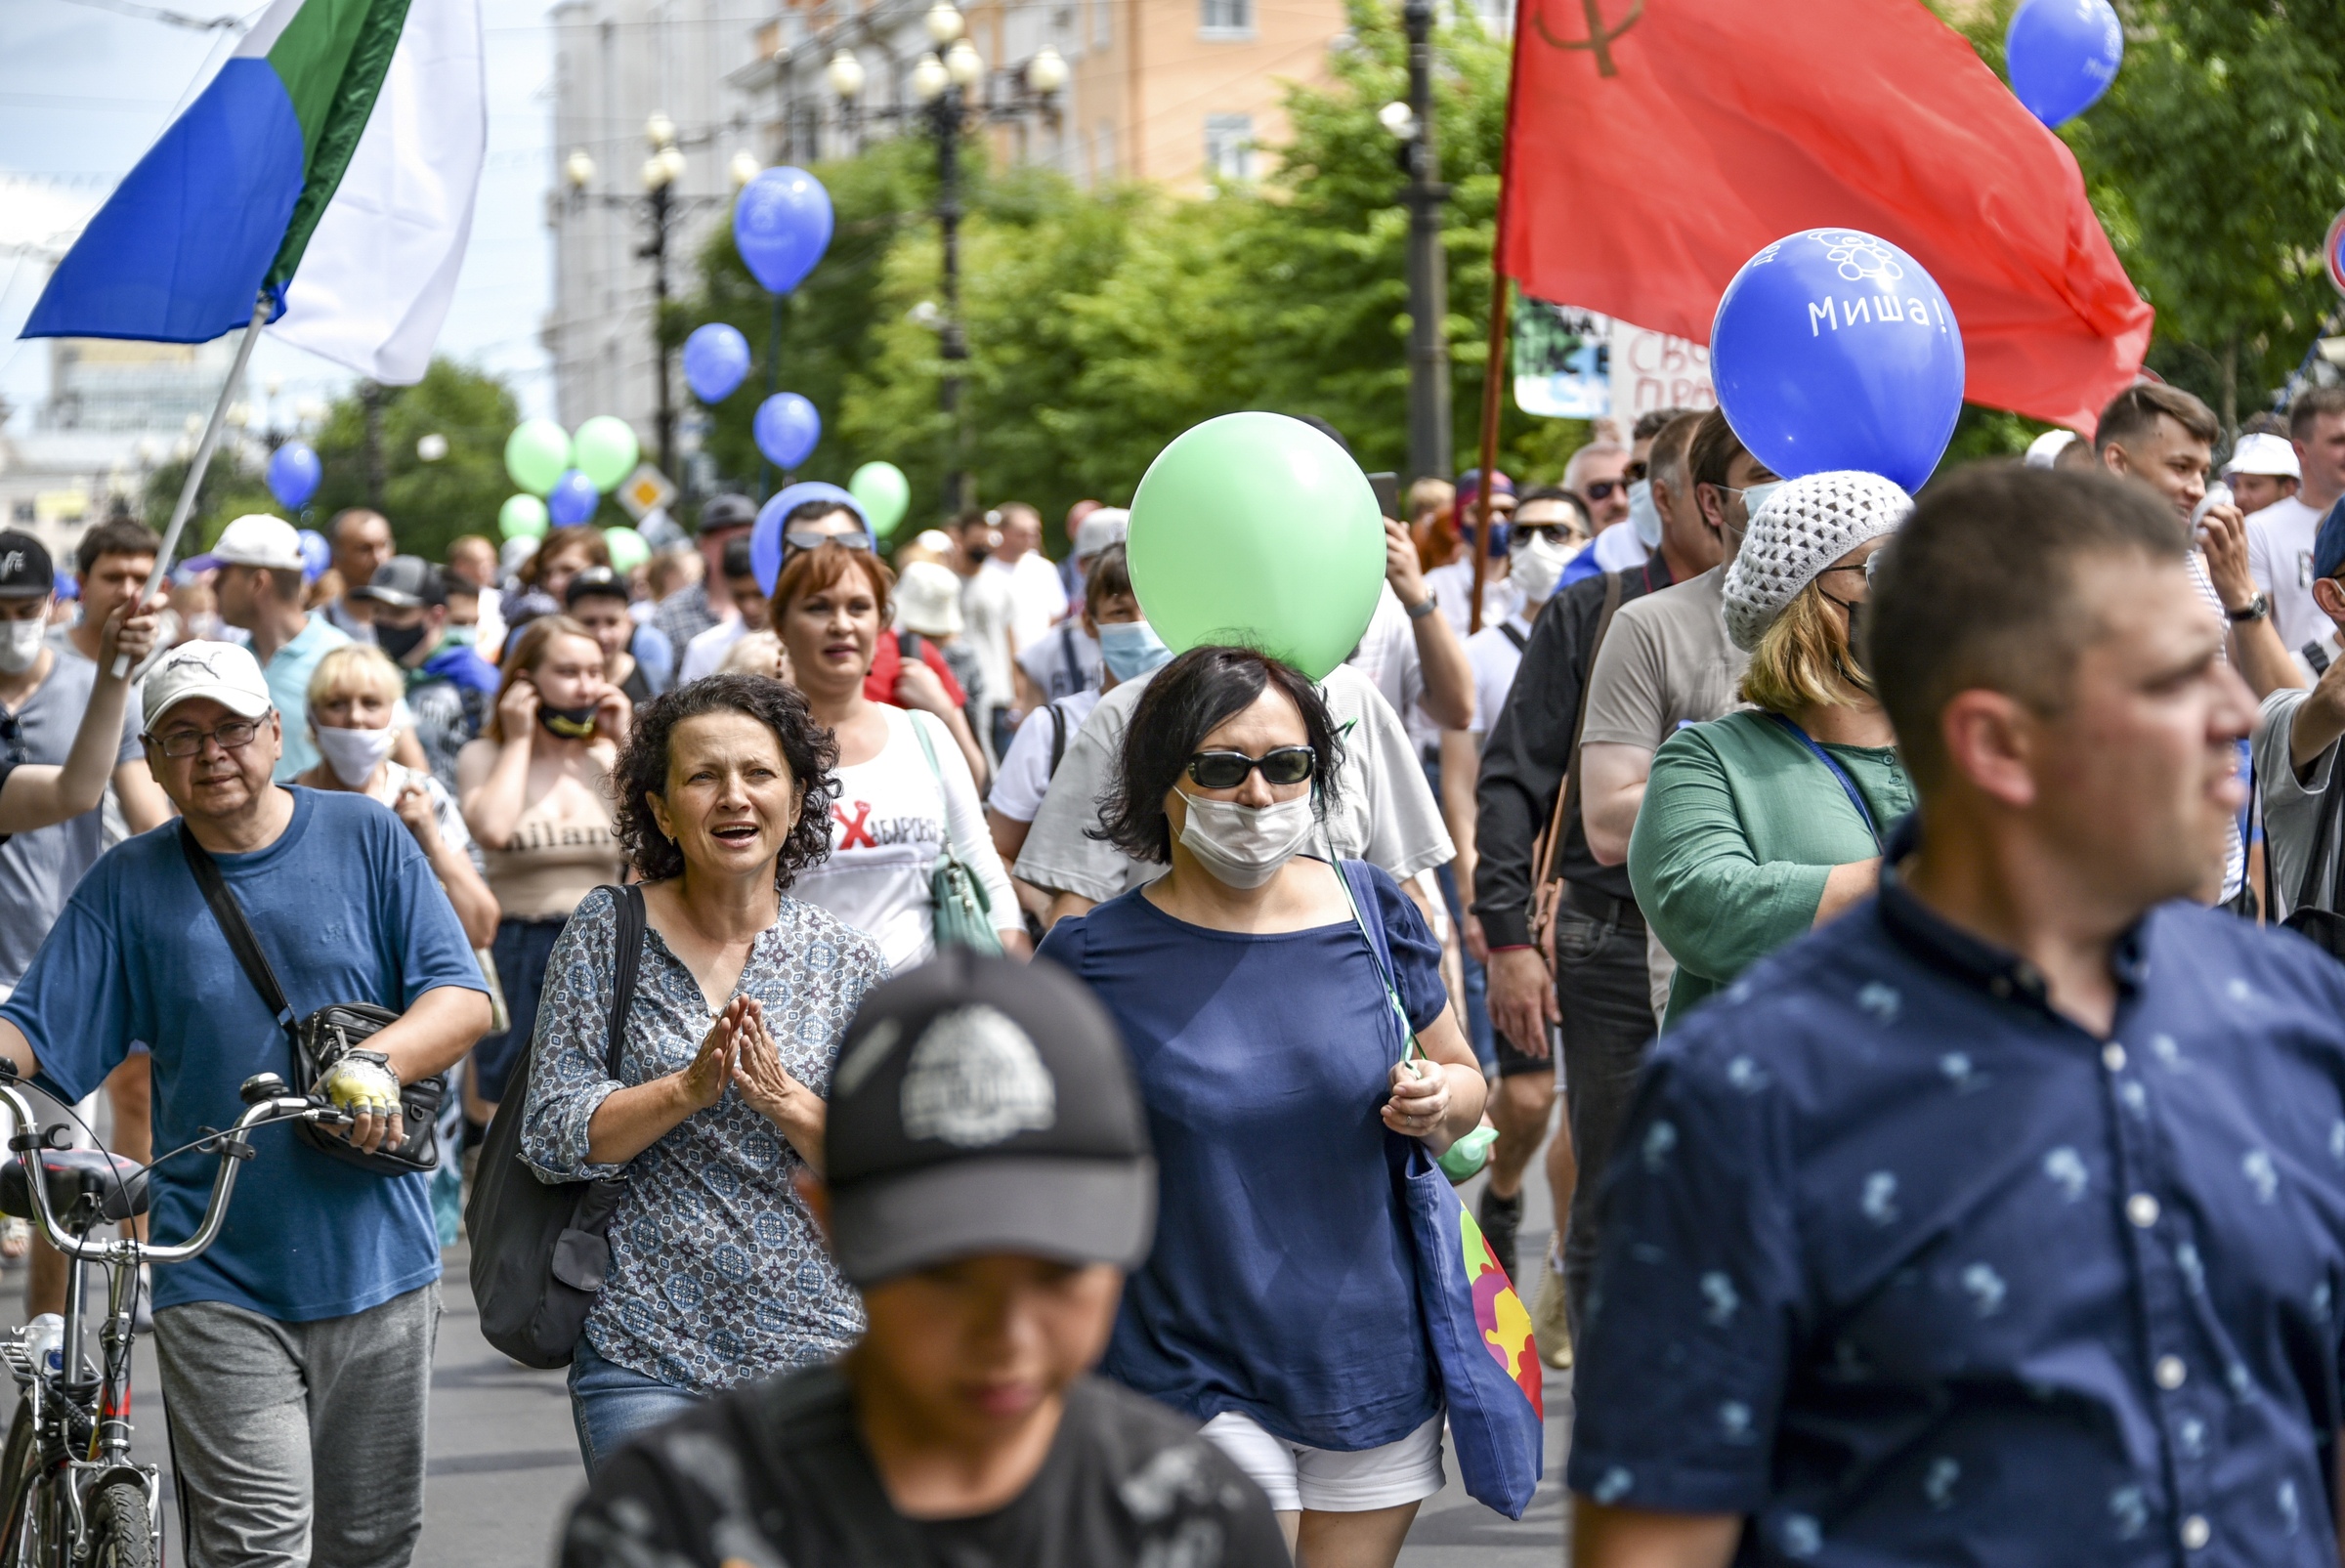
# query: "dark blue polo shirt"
[[1907, 1267]]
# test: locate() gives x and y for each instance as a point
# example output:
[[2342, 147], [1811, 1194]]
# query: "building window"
[[1227, 18], [1230, 147]]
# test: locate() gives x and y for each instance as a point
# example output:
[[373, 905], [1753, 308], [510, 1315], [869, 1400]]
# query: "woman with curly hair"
[[717, 1275]]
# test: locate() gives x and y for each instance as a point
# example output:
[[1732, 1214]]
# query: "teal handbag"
[[961, 909]]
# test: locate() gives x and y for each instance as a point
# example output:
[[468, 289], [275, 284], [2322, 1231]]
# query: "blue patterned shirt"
[[1905, 1266], [718, 1274]]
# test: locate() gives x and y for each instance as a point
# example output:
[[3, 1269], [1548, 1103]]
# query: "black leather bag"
[[540, 1251], [320, 1039]]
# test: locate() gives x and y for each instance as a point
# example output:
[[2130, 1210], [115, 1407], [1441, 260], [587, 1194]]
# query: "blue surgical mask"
[[1643, 516], [1132, 649]]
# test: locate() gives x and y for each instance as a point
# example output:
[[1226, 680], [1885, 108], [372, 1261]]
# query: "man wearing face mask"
[[1617, 549], [449, 686]]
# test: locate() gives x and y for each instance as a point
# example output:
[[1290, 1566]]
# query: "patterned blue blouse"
[[718, 1276]]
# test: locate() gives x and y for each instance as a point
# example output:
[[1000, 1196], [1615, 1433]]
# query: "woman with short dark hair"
[[717, 1275], [1256, 985]]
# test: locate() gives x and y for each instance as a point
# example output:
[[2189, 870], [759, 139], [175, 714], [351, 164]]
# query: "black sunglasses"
[[809, 540], [1553, 533], [1602, 490], [1226, 770]]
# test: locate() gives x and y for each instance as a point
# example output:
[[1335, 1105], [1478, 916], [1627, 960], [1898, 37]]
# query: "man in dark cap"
[[691, 610], [987, 1183]]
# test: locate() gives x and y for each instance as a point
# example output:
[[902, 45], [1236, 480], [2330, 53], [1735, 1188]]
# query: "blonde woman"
[[535, 791], [1768, 822], [353, 694]]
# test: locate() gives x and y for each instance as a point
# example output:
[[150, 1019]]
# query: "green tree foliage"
[[428, 503], [2215, 163]]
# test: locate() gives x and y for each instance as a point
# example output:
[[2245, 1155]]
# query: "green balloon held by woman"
[[1256, 528], [883, 493]]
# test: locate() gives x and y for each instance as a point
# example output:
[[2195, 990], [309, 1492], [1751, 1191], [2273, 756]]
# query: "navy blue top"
[[347, 910], [1912, 1268], [1282, 1285]]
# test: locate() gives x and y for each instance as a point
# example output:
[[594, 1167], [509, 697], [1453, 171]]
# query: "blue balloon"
[[786, 428], [716, 358], [1833, 349], [315, 555], [2062, 55], [782, 226], [573, 500], [765, 539], [293, 475]]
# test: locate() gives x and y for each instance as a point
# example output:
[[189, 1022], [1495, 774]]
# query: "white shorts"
[[1297, 1476]]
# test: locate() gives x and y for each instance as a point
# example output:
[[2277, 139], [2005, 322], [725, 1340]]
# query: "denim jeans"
[[1606, 1003], [613, 1405]]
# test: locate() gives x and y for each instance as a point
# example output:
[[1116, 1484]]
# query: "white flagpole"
[[202, 461]]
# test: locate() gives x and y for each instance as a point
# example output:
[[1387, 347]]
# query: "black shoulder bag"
[[320, 1039], [540, 1251]]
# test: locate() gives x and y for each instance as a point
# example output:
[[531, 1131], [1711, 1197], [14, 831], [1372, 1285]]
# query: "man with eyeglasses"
[[306, 1328]]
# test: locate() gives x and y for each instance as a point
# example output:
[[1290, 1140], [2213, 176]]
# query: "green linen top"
[[1740, 828]]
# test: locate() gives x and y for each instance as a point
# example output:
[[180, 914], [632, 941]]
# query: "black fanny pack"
[[324, 1037]]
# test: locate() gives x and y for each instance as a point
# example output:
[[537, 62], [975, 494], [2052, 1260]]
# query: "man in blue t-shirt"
[[308, 1326]]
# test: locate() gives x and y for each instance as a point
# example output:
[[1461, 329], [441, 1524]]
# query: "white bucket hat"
[[1804, 526]]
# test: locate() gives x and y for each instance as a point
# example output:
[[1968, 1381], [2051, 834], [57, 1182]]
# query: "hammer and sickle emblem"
[[1600, 33]]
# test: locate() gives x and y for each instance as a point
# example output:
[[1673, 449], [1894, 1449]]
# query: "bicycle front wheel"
[[122, 1533], [21, 1536]]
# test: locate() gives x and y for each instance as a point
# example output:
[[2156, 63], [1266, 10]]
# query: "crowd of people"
[[956, 990]]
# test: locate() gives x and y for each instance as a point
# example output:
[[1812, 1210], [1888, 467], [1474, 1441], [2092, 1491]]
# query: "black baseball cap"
[[404, 582], [723, 512], [983, 1106], [595, 582], [26, 570]]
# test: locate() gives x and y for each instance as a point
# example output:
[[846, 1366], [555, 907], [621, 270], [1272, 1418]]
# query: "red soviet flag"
[[1654, 145]]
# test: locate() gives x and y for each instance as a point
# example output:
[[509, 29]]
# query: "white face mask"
[[1643, 516], [21, 643], [354, 754], [1245, 845], [1537, 566]]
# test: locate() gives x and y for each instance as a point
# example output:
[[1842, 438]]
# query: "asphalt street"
[[504, 1460]]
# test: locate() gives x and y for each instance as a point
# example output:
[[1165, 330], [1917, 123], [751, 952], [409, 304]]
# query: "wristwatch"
[[1422, 607], [2255, 609]]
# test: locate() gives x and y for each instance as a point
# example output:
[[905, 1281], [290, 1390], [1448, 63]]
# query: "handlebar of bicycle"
[[229, 1147]]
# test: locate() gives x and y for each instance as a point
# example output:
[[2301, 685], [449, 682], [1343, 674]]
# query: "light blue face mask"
[[1643, 516], [1132, 647]]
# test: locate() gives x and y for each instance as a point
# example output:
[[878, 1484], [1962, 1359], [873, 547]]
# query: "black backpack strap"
[[238, 930], [627, 959], [1058, 741], [1509, 630]]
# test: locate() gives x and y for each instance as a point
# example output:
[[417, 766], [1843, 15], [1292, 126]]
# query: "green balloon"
[[536, 454], [1256, 528], [628, 549], [883, 493], [522, 517], [604, 451]]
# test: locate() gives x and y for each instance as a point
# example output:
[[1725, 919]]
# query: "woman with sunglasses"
[[1279, 1306], [906, 786], [1770, 822]]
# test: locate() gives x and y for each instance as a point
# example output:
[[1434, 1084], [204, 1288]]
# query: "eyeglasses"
[[1551, 533], [1226, 770], [1636, 471], [808, 540], [1602, 490], [233, 736]]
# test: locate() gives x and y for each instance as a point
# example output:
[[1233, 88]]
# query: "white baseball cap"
[[2260, 454], [2045, 450], [1105, 525], [257, 539], [223, 671]]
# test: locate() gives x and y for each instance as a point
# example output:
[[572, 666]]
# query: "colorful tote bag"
[[1481, 1335]]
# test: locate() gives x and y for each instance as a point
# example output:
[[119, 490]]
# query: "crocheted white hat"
[[1804, 528]]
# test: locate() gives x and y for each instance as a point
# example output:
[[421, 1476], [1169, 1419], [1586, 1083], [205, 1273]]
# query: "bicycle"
[[71, 1496]]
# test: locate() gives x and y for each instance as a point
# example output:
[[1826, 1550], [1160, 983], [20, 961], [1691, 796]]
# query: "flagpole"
[[202, 461], [1495, 367]]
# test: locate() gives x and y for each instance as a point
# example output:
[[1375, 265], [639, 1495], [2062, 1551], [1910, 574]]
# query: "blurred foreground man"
[[2003, 1219], [987, 1182]]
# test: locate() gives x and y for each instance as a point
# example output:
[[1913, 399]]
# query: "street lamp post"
[[1428, 272], [951, 85]]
